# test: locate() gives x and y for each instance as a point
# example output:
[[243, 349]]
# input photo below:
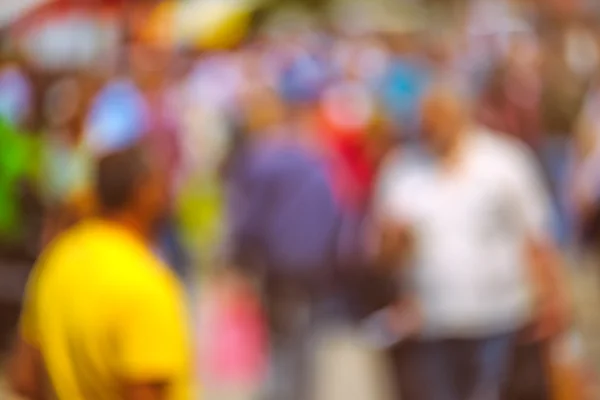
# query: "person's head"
[[129, 185], [495, 91], [441, 48], [379, 138], [63, 105], [148, 65], [263, 109], [445, 117]]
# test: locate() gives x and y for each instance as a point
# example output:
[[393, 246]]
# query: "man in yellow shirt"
[[103, 318]]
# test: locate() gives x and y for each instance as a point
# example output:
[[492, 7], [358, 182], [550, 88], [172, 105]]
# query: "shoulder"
[[403, 173], [261, 156], [405, 164], [501, 149], [66, 241], [139, 281], [138, 270], [154, 280], [111, 250], [153, 291], [59, 253]]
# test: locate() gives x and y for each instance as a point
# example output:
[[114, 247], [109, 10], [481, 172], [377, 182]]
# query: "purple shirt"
[[283, 208]]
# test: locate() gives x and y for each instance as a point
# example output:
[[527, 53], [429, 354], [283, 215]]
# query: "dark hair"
[[117, 176]]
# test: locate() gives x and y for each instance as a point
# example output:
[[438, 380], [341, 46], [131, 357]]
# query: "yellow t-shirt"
[[103, 310]]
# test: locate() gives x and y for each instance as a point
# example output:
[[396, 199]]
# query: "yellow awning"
[[205, 24]]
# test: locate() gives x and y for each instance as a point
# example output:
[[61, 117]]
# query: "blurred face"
[[441, 50], [524, 55], [148, 65], [379, 141], [443, 121], [63, 103], [264, 109]]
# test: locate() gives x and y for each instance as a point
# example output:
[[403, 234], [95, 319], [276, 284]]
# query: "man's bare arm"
[[26, 375], [550, 288], [393, 244]]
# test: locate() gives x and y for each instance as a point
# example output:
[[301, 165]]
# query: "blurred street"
[[348, 191]]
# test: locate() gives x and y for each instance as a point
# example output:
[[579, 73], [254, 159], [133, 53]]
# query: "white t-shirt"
[[470, 227]]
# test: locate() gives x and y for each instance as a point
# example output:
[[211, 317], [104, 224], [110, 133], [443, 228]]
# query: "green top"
[[20, 156]]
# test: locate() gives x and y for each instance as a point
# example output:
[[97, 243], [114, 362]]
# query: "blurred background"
[[204, 75]]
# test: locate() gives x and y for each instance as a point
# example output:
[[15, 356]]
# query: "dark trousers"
[[526, 377]]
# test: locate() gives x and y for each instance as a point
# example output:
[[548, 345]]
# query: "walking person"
[[283, 227], [475, 210], [103, 318]]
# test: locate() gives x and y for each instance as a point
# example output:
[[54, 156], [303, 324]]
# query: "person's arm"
[[553, 304], [543, 256], [389, 240], [26, 372], [392, 243], [151, 337]]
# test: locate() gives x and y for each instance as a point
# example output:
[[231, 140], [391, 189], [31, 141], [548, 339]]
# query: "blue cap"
[[303, 81]]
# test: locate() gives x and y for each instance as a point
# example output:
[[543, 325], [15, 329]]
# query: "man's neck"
[[130, 223], [450, 159]]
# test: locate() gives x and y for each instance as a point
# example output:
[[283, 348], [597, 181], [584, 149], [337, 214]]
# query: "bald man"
[[476, 208]]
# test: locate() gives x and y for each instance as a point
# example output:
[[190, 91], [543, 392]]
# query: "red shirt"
[[352, 168]]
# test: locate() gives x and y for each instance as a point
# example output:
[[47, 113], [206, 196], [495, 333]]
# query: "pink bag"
[[234, 344]]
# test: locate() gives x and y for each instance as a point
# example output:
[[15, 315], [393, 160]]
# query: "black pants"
[[527, 380]]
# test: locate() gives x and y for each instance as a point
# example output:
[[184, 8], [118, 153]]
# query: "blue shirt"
[[282, 206]]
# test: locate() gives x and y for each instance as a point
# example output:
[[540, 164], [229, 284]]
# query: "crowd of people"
[[425, 191]]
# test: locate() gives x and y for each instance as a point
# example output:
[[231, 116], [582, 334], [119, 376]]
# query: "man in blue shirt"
[[285, 225]]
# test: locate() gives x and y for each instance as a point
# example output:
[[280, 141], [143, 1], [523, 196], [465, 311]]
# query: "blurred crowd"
[[424, 189]]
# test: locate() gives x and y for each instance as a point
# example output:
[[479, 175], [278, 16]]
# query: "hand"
[[552, 318], [552, 312], [395, 242], [405, 318]]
